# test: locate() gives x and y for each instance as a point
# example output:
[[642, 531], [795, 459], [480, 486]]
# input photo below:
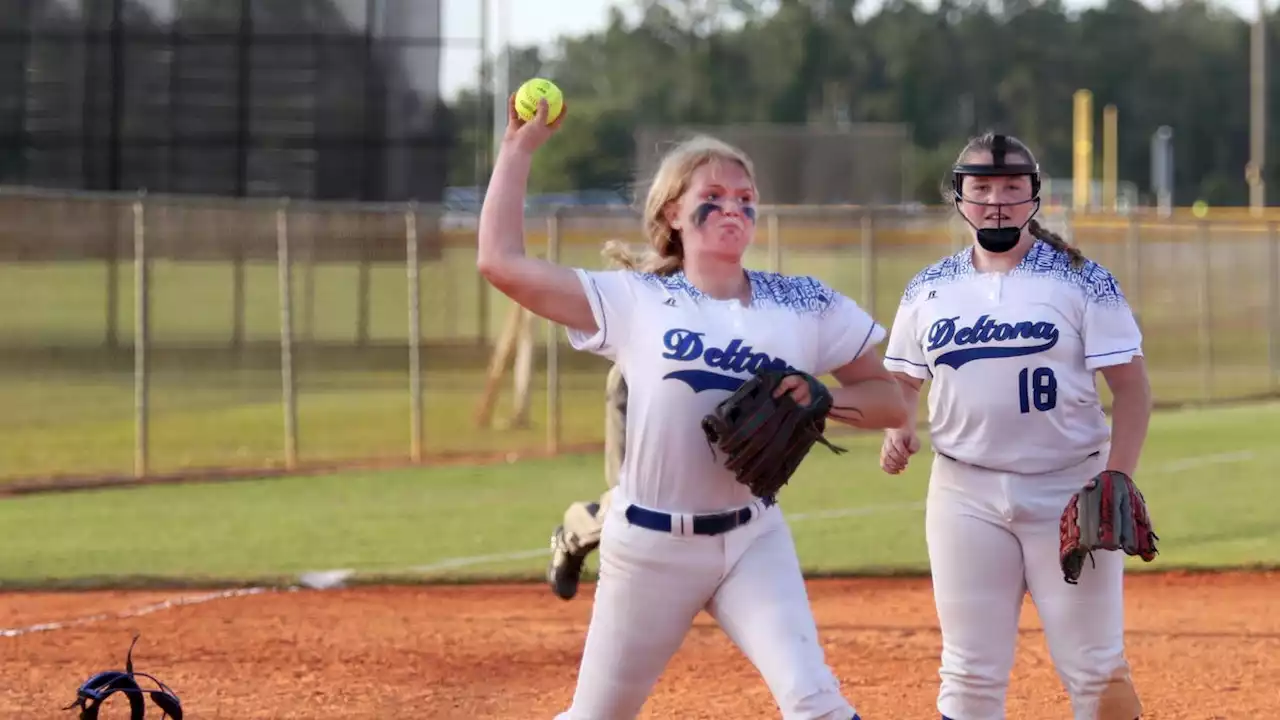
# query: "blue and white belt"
[[692, 524]]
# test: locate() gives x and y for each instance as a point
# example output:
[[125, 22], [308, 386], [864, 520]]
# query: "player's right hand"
[[529, 136], [898, 447]]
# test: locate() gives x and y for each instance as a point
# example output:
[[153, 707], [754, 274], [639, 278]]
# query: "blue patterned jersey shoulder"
[[948, 269], [1097, 283], [800, 293]]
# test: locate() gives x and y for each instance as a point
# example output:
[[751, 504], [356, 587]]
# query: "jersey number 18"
[[1037, 388]]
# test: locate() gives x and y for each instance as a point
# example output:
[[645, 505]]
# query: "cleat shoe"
[[565, 569]]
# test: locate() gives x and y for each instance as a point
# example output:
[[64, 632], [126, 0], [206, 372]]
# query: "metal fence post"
[[482, 311], [112, 338], [141, 342], [238, 300], [868, 264], [364, 294], [1273, 305], [1133, 263], [306, 325], [412, 268], [288, 383], [1206, 313], [553, 346]]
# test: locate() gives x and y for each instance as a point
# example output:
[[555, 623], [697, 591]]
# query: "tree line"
[[947, 73]]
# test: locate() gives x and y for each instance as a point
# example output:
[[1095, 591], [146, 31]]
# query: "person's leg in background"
[[615, 425], [579, 532]]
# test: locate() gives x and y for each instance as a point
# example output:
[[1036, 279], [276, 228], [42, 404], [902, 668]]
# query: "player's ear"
[[671, 212]]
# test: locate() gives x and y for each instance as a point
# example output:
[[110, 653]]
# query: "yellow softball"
[[531, 91]]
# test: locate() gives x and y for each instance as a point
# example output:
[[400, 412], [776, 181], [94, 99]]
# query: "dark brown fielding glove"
[[1108, 513], [764, 438]]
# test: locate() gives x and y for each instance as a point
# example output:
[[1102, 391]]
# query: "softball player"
[[1011, 332], [579, 533], [687, 325]]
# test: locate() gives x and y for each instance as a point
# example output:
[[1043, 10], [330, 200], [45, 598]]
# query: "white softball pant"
[[994, 536], [651, 586]]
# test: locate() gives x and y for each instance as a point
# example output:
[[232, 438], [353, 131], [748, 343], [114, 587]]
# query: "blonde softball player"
[[1010, 333], [687, 326], [579, 532]]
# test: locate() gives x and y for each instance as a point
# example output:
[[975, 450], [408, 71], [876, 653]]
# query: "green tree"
[[946, 72]]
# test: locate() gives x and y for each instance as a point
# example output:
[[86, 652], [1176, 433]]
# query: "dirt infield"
[[1201, 645]]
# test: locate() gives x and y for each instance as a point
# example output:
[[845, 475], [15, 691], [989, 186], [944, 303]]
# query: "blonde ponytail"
[[618, 254]]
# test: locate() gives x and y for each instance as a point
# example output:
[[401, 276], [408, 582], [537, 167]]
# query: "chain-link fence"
[[329, 99], [159, 335]]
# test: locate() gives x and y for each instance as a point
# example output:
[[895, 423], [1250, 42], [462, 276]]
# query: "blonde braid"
[[1056, 242]]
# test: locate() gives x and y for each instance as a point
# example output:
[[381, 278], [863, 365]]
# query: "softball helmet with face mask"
[[997, 239], [95, 691]]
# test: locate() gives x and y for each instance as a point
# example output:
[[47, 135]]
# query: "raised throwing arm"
[[548, 290]]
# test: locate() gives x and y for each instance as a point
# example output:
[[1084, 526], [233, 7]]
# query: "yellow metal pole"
[[1255, 172], [1110, 162], [1083, 146]]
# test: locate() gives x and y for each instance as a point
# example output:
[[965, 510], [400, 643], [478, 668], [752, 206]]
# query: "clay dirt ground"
[[1202, 647]]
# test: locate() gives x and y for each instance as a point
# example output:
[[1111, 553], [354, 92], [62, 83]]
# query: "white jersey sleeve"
[[612, 296], [1111, 335], [904, 353], [845, 332]]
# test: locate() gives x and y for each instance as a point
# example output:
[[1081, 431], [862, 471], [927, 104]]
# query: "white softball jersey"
[[682, 352], [1011, 357]]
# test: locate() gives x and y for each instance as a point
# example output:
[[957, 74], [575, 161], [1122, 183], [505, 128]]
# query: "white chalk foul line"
[[853, 511], [1199, 461], [459, 562], [331, 578], [450, 563], [131, 613]]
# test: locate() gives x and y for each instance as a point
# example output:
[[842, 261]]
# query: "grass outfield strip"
[[1206, 473]]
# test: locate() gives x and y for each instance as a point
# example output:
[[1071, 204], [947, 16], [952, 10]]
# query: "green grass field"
[[1207, 474], [1212, 332]]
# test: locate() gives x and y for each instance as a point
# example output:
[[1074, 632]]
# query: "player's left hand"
[[795, 385], [898, 447]]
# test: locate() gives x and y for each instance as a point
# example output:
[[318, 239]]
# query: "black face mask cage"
[[1001, 239]]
